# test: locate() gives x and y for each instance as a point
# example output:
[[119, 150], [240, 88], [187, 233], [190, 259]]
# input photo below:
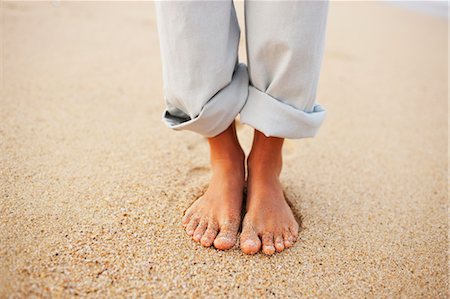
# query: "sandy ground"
[[93, 185]]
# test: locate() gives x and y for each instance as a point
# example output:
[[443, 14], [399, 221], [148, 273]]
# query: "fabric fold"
[[275, 118], [219, 112]]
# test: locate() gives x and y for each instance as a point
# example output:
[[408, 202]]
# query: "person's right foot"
[[215, 217]]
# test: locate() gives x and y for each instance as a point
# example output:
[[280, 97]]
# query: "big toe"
[[250, 242], [226, 237], [224, 242]]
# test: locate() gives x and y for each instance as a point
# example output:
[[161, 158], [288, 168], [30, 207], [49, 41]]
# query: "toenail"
[[269, 250], [206, 242], [250, 243], [222, 238]]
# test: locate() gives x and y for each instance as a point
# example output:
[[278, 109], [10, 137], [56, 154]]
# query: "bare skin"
[[215, 217], [269, 223]]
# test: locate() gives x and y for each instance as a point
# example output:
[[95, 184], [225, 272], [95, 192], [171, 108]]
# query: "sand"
[[93, 185]]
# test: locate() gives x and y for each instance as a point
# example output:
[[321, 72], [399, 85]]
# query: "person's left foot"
[[269, 222]]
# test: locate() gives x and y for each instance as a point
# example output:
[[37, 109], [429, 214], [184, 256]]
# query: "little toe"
[[294, 232], [279, 243], [249, 241], [186, 218], [208, 237], [267, 241], [190, 228], [226, 237], [200, 230]]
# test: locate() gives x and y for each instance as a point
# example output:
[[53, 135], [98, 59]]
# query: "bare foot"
[[215, 217], [269, 222]]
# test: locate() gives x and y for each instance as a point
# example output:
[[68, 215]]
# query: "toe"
[[279, 243], [288, 239], [267, 241], [192, 225], [208, 237], [294, 231], [226, 237], [186, 218], [249, 242], [200, 230]]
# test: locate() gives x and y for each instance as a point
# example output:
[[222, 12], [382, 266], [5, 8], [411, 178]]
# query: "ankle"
[[229, 161], [226, 153], [266, 155], [264, 166]]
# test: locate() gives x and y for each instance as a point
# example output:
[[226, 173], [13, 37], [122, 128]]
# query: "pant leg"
[[204, 86], [285, 41]]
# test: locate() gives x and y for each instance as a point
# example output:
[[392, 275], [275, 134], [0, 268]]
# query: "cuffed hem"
[[219, 112], [277, 119]]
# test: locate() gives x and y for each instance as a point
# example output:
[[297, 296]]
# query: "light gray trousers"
[[205, 87]]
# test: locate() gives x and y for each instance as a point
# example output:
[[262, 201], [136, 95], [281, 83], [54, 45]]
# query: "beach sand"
[[93, 185]]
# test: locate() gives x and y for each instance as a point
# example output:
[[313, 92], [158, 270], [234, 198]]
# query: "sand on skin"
[[93, 185]]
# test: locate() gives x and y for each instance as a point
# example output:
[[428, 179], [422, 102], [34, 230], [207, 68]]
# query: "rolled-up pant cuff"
[[219, 112], [274, 118]]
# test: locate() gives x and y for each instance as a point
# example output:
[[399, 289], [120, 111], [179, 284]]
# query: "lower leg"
[[225, 148], [214, 218], [266, 153], [269, 222]]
